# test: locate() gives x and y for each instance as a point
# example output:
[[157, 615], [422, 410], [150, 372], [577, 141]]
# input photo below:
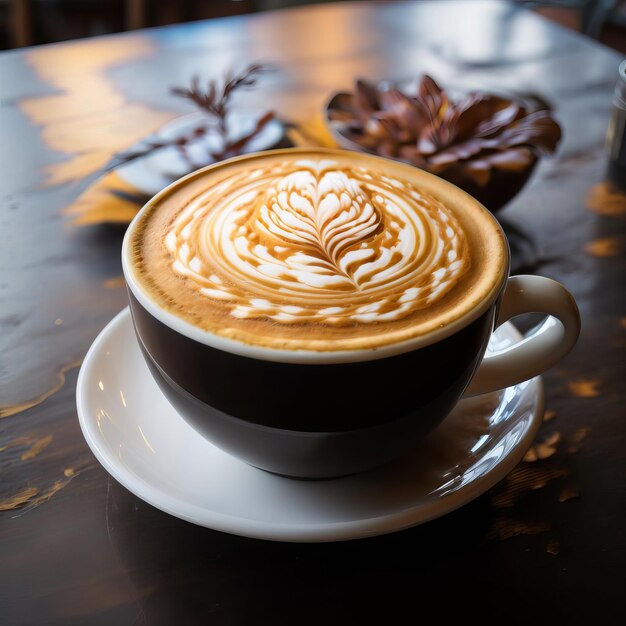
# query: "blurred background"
[[30, 22]]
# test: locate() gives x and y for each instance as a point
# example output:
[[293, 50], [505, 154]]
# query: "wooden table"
[[546, 545]]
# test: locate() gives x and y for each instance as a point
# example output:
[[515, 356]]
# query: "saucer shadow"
[[191, 571]]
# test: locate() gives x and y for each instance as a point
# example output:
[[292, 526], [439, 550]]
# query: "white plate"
[[157, 170], [143, 443]]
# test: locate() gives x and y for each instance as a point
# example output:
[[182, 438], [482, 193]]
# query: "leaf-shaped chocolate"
[[482, 115], [502, 116], [434, 99], [366, 97], [406, 112], [515, 159], [477, 139], [537, 130], [458, 152]]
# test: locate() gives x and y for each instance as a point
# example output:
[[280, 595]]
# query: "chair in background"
[[593, 13], [20, 23], [21, 19]]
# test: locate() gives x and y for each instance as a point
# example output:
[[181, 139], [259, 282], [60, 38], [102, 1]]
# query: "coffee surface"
[[316, 250]]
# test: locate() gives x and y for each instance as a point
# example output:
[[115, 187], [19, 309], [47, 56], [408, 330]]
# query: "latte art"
[[317, 241], [314, 250]]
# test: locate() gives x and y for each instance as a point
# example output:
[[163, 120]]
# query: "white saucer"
[[143, 443]]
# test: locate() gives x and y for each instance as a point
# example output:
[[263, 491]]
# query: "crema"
[[316, 250]]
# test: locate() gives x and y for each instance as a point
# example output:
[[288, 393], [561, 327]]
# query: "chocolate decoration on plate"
[[486, 144]]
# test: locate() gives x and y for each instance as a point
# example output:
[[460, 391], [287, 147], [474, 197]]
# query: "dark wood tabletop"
[[546, 545]]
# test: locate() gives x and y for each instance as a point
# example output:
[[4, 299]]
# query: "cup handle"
[[539, 350]]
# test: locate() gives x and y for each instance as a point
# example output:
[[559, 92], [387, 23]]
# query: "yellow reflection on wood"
[[541, 466], [36, 448], [543, 449], [117, 282], [48, 493], [19, 499], [549, 415], [18, 441], [36, 445], [108, 200], [577, 438], [568, 493], [311, 133], [524, 478], [609, 246], [584, 388], [580, 435], [12, 409], [89, 118], [606, 199], [505, 528], [32, 497]]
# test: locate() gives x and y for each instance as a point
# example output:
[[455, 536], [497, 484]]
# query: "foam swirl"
[[309, 241]]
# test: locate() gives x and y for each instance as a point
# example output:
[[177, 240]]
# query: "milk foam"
[[316, 241]]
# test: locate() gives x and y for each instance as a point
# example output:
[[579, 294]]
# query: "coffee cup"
[[316, 312]]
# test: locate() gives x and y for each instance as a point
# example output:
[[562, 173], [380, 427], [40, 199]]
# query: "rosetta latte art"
[[314, 242]]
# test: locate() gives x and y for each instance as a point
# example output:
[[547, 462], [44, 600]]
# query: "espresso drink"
[[317, 250], [316, 312]]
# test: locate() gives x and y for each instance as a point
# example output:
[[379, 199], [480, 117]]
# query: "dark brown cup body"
[[311, 420]]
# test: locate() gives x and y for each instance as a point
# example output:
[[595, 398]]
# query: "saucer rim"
[[413, 515]]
